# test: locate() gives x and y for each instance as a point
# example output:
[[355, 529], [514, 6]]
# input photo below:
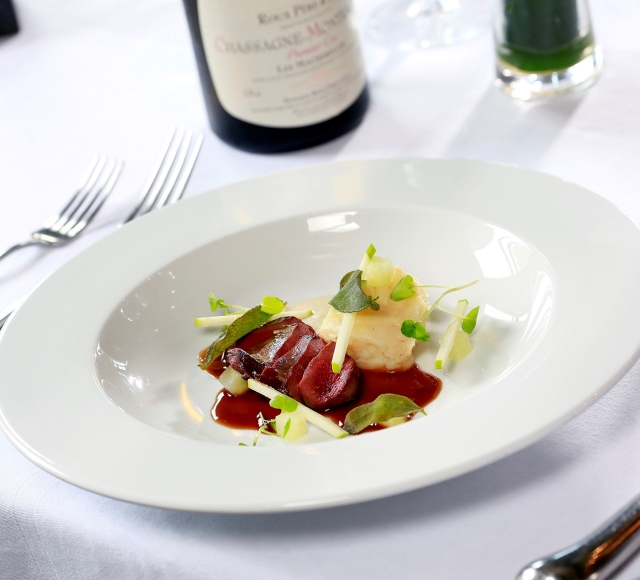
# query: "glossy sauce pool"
[[241, 412]]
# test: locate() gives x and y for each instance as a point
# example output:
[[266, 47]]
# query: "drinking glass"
[[545, 47], [412, 24]]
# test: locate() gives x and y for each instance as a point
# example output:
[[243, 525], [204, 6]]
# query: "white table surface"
[[113, 76]]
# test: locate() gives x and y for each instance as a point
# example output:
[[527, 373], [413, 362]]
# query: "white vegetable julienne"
[[446, 343], [217, 320], [232, 380], [229, 318], [314, 418], [348, 320], [342, 342]]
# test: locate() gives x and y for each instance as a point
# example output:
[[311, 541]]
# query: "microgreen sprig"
[[405, 288], [284, 403], [216, 303], [263, 427], [468, 321], [373, 303], [416, 330], [449, 291]]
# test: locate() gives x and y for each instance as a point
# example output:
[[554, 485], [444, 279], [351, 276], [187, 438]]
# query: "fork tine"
[[87, 182], [175, 169], [158, 176], [164, 172], [65, 225], [186, 172], [99, 197]]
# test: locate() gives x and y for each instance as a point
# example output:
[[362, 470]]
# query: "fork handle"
[[17, 247], [597, 556]]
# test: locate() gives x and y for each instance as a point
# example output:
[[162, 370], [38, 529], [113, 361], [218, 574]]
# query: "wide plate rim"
[[335, 499]]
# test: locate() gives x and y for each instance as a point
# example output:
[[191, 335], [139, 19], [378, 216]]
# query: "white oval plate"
[[98, 374]]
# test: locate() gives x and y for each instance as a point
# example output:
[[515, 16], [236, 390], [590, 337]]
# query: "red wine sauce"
[[241, 412]]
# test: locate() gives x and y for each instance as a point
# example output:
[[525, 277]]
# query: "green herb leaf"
[[272, 305], [373, 303], [345, 279], [385, 407], [404, 289], [284, 403], [215, 303], [242, 444], [371, 251], [415, 330], [249, 321], [350, 298], [286, 428], [469, 321]]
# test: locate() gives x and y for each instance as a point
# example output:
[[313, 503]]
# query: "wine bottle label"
[[280, 63]]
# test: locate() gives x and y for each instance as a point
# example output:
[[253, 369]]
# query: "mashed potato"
[[376, 341]]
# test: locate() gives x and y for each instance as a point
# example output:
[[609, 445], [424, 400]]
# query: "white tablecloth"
[[113, 76]]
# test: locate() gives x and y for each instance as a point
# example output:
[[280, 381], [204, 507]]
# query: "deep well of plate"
[[146, 352], [119, 407]]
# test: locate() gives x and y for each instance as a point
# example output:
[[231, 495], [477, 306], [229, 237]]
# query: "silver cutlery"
[[165, 186], [170, 176], [596, 557], [77, 214]]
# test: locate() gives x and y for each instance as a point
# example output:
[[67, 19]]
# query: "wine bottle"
[[278, 75], [8, 21]]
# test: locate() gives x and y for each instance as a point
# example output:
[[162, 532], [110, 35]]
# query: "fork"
[[76, 215], [165, 186]]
